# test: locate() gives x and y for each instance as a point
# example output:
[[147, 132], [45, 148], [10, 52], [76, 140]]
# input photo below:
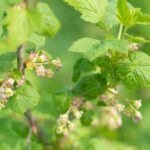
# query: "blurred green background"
[[137, 135]]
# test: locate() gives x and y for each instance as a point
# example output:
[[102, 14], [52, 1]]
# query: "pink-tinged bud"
[[57, 63], [10, 82], [137, 117], [21, 81], [137, 104], [33, 56], [3, 96]]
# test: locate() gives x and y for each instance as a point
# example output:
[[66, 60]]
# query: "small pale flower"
[[134, 46], [63, 119], [57, 63], [137, 104], [78, 114], [119, 107], [40, 70], [42, 58], [71, 126], [10, 82], [137, 117], [9, 92]]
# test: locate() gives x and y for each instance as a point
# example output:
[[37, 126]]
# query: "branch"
[[42, 137]]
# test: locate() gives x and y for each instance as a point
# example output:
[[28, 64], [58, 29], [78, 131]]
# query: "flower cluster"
[[111, 118], [133, 110], [111, 114], [65, 125], [7, 89], [41, 63]]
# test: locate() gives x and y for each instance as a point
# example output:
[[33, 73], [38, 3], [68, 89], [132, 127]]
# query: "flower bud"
[[133, 46], [119, 107], [40, 70], [137, 104], [78, 114], [63, 119], [42, 58], [57, 63], [9, 92], [33, 56], [71, 126], [10, 82], [137, 117]]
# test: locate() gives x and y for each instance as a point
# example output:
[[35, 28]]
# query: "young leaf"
[[137, 39], [130, 16], [109, 19], [135, 71], [26, 97], [62, 101], [144, 19], [6, 61], [37, 40], [3, 6], [16, 21], [90, 86], [82, 66], [91, 10], [92, 48], [49, 23], [124, 13]]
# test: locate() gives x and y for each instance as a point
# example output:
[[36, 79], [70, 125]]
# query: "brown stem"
[[20, 59], [42, 137]]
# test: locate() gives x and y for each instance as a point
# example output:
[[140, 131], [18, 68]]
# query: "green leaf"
[[136, 39], [92, 48], [91, 10], [90, 86], [26, 97], [124, 13], [135, 71], [49, 23], [3, 6], [82, 66], [6, 61], [62, 102], [109, 19], [144, 19], [130, 16], [16, 21], [37, 40]]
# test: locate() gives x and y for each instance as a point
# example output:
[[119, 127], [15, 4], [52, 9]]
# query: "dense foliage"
[[75, 116]]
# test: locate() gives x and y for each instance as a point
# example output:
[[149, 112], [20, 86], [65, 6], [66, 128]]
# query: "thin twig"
[[34, 128], [28, 140], [21, 68], [120, 32]]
